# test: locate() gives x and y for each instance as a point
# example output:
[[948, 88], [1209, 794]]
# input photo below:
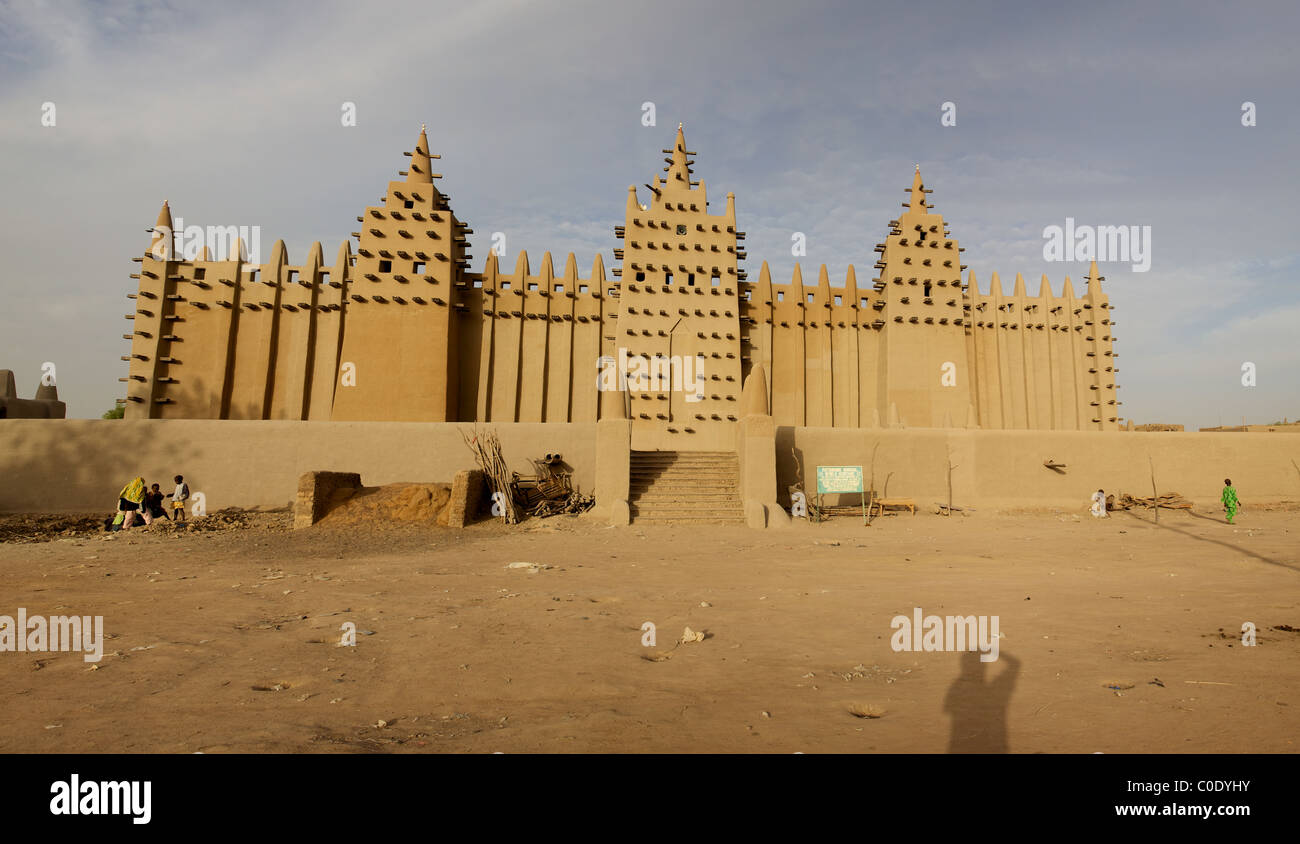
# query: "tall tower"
[[399, 360], [679, 310], [150, 330], [926, 377]]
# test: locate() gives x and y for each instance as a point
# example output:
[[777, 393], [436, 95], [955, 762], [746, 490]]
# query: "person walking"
[[1230, 502]]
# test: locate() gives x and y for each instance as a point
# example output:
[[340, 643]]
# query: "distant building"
[[1283, 427], [403, 330], [46, 405]]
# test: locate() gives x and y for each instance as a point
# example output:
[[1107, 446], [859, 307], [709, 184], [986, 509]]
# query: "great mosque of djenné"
[[400, 329]]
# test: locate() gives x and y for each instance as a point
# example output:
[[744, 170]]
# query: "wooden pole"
[[871, 493], [1155, 497], [950, 468]]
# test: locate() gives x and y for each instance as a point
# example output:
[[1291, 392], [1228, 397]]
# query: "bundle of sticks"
[[1168, 500], [487, 453], [549, 493], [572, 503]]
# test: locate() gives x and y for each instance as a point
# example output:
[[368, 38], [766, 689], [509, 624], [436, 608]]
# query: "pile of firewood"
[[1168, 500], [549, 492], [487, 452]]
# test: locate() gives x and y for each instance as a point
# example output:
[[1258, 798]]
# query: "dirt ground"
[[1118, 636]]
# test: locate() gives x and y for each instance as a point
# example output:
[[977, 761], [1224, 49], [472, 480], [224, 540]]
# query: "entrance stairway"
[[685, 487]]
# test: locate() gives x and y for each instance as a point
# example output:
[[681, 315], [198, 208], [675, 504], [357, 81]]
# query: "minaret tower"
[[926, 376], [150, 336], [679, 310], [403, 302]]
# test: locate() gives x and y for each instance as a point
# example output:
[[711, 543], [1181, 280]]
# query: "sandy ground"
[[1119, 636]]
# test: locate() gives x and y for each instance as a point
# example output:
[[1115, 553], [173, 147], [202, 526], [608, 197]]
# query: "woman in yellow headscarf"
[[130, 500]]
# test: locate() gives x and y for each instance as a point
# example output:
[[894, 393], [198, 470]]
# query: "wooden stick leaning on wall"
[[486, 447]]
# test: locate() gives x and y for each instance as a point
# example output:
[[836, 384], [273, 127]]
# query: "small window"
[[839, 300], [927, 289], [681, 229], [559, 288], [746, 297], [291, 276], [716, 281], [478, 282], [199, 273], [862, 303], [385, 266], [417, 267], [780, 295], [582, 288], [532, 288], [505, 285], [352, 262], [810, 298], [408, 204], [690, 279], [640, 276], [668, 278]]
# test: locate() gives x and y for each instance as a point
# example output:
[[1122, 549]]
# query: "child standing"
[[179, 497], [1229, 498]]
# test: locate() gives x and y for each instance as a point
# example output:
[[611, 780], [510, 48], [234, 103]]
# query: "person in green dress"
[[1229, 498]]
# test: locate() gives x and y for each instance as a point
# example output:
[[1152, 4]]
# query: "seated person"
[[154, 503]]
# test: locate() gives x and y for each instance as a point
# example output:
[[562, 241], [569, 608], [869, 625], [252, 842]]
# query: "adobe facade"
[[402, 330]]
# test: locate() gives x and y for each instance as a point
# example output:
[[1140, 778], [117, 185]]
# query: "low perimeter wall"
[[1005, 468], [80, 465]]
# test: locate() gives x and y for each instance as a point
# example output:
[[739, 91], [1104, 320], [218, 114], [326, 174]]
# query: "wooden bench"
[[881, 503]]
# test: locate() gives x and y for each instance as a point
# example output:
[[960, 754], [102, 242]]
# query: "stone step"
[[677, 461], [685, 458], [687, 477], [683, 467], [646, 520], [661, 499], [663, 518], [694, 486], [737, 515], [722, 458]]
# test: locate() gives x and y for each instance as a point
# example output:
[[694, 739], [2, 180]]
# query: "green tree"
[[116, 413]]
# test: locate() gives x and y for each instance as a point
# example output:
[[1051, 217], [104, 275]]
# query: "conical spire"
[[917, 201], [421, 171], [160, 245], [1094, 279], [679, 168]]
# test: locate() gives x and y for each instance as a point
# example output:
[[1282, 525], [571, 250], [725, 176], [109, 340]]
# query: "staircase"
[[685, 487]]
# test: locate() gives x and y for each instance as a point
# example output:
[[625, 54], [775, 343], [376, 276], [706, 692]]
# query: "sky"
[[814, 114]]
